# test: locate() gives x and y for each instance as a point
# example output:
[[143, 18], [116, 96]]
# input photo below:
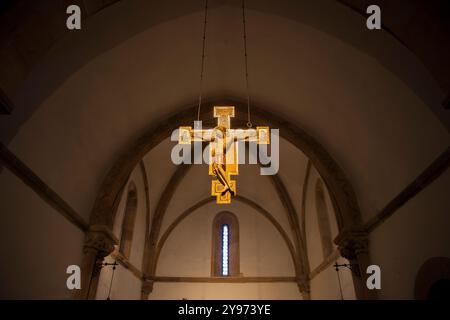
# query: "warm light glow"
[[223, 152]]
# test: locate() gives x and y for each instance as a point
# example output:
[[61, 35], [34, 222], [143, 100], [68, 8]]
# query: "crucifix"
[[223, 152]]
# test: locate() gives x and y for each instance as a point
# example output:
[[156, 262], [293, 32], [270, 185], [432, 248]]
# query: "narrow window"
[[225, 250]]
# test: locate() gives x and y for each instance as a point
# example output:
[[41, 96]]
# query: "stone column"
[[353, 245], [98, 244]]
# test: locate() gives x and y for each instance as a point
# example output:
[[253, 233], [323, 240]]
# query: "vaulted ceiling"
[[37, 53], [91, 93], [82, 99]]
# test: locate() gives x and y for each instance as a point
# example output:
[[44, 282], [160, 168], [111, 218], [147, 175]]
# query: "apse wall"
[[225, 291], [187, 253]]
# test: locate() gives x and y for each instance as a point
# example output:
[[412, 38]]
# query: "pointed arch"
[[266, 214], [342, 195], [129, 218], [323, 219]]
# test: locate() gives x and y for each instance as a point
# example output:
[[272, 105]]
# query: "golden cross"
[[223, 154]]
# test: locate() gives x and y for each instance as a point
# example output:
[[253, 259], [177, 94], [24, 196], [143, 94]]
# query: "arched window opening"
[[129, 218], [323, 220], [225, 251]]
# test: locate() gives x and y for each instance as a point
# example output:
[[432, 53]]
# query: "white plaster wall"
[[313, 239], [159, 169], [225, 291], [325, 285], [125, 284], [37, 244], [187, 252], [292, 172], [196, 186]]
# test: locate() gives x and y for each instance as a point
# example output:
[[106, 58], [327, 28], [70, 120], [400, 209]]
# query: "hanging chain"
[[112, 276], [249, 122], [339, 281], [203, 62], [337, 267]]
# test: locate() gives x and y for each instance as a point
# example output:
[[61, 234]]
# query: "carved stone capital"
[[352, 243], [306, 295], [303, 284], [100, 239], [147, 288]]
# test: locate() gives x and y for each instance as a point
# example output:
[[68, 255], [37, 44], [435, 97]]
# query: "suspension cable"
[[111, 282], [336, 267], [249, 122], [203, 62], [340, 286]]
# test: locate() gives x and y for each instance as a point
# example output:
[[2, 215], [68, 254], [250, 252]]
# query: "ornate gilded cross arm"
[[186, 135], [260, 135]]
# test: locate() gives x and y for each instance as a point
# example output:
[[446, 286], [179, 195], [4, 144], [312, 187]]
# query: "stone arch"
[[342, 195], [341, 192], [298, 248], [323, 219], [242, 199]]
